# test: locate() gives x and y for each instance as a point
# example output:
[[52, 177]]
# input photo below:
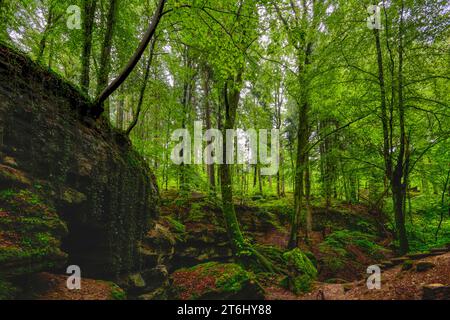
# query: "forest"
[[225, 150]]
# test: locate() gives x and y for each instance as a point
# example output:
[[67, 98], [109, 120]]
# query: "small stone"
[[424, 266]]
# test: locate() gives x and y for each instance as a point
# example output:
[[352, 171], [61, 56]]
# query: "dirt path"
[[395, 284]]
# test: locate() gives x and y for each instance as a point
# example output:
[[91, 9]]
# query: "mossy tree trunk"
[[231, 98]]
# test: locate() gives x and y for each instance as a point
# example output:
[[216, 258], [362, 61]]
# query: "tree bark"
[[143, 88], [88, 27], [207, 109], [105, 58]]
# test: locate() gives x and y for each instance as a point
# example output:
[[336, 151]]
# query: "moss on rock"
[[30, 234], [215, 280], [302, 271]]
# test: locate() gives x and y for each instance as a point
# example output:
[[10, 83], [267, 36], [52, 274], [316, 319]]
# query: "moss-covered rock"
[[30, 234], [215, 280], [302, 271], [117, 293]]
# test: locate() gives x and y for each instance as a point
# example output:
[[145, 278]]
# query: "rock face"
[[66, 179]]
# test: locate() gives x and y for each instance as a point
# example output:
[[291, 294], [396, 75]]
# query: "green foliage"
[[300, 262], [117, 293]]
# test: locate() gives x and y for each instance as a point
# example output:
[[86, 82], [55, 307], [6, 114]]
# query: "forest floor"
[[396, 284], [196, 224], [266, 223]]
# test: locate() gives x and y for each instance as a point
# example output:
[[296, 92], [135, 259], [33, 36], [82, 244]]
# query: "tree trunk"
[[88, 27], [105, 58], [400, 174], [207, 108], [143, 88], [231, 98]]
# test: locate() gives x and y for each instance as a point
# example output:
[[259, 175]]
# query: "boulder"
[[215, 281], [302, 271]]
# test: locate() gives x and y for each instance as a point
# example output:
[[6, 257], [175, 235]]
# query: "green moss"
[[196, 213], [233, 278], [340, 240], [225, 279], [300, 262], [117, 293], [302, 271], [176, 225], [31, 232], [338, 250], [302, 284]]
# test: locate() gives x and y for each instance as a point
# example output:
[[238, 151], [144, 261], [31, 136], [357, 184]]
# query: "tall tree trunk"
[[88, 27], [207, 109], [400, 174], [302, 148], [48, 27], [105, 58], [120, 113], [143, 88], [309, 218], [444, 191], [231, 98]]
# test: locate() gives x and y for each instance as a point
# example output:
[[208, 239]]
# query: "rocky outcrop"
[[74, 188]]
